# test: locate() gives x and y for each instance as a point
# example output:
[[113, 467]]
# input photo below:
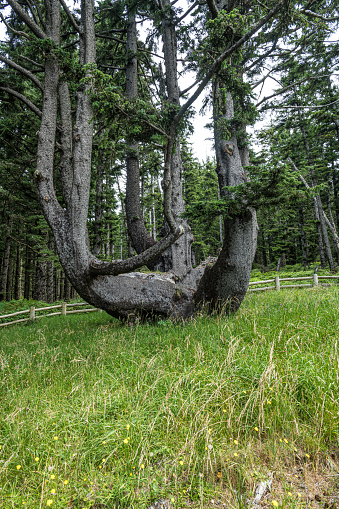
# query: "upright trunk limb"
[[97, 245], [181, 257], [140, 237], [226, 282]]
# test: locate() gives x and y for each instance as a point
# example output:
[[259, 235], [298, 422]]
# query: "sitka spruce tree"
[[83, 103]]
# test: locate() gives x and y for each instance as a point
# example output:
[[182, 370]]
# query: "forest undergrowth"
[[98, 414]]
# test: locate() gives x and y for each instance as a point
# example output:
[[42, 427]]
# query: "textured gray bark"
[[180, 259], [140, 237], [226, 282], [97, 244], [106, 284]]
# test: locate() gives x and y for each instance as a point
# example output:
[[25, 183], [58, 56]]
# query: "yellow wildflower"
[[52, 476], [286, 441], [236, 442], [18, 467], [181, 462], [235, 454], [275, 503], [125, 441], [55, 437], [142, 465], [256, 428], [49, 502], [53, 490], [65, 482], [36, 459]]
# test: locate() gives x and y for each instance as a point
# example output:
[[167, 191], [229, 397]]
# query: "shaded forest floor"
[[98, 414]]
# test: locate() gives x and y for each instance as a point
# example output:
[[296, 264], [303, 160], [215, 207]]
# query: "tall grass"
[[94, 412]]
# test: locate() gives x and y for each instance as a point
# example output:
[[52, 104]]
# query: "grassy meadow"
[[99, 414]]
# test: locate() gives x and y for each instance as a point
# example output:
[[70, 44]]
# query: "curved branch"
[[27, 19], [98, 268], [16, 32], [22, 70], [23, 99], [70, 16]]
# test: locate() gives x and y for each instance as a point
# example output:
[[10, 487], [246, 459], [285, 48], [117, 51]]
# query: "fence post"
[[315, 279], [64, 308], [277, 283], [32, 313]]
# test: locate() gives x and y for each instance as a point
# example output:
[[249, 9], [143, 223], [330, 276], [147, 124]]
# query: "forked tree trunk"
[[113, 286]]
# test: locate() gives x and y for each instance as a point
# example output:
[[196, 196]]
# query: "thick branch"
[[213, 8], [98, 268], [282, 90], [315, 15], [70, 16], [186, 13], [16, 32], [217, 63], [23, 99], [22, 70], [27, 19]]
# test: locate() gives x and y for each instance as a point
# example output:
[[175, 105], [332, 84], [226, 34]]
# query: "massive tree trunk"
[[113, 286], [226, 282]]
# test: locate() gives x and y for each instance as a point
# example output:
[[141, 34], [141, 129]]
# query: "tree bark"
[[140, 237], [181, 257], [97, 245], [225, 284], [5, 262]]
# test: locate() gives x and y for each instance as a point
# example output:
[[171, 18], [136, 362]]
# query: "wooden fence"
[[277, 286], [33, 310], [64, 306]]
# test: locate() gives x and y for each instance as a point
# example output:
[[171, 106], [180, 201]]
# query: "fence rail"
[[33, 310], [277, 286]]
